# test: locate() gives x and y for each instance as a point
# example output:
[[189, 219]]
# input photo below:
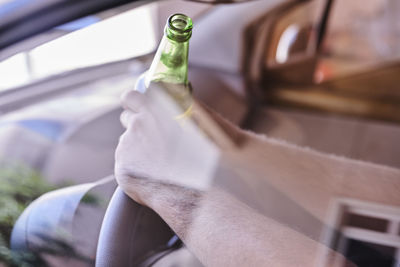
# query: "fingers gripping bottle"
[[169, 69]]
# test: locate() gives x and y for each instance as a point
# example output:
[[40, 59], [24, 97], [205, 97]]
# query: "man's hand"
[[162, 163], [141, 153], [156, 150]]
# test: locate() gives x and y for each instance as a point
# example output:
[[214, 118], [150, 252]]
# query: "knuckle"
[[121, 173], [132, 100], [122, 179], [126, 95], [121, 140], [123, 118], [130, 120]]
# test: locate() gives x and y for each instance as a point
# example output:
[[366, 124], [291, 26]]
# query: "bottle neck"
[[170, 64]]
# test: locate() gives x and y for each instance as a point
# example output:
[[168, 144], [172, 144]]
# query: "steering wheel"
[[132, 234]]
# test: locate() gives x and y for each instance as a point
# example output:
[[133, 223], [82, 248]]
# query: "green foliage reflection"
[[19, 186]]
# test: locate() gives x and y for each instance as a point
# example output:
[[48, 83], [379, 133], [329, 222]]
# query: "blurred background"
[[320, 74]]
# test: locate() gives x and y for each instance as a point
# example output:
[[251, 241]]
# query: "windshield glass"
[[86, 42]]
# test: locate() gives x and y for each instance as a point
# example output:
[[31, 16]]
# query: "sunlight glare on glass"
[[287, 39], [4, 2], [121, 37], [13, 71]]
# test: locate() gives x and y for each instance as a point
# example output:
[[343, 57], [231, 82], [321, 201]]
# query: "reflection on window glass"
[[121, 37], [14, 71], [79, 23], [287, 39], [367, 233], [292, 33], [361, 34]]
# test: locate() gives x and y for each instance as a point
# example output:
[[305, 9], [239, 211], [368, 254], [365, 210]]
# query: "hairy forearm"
[[222, 231], [177, 206]]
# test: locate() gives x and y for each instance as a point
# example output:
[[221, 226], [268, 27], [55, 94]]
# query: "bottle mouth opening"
[[180, 23]]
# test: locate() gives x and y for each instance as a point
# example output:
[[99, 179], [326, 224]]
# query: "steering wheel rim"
[[129, 233]]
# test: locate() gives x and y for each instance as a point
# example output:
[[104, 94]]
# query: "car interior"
[[320, 74]]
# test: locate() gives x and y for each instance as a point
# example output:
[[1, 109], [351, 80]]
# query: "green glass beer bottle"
[[169, 69]]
